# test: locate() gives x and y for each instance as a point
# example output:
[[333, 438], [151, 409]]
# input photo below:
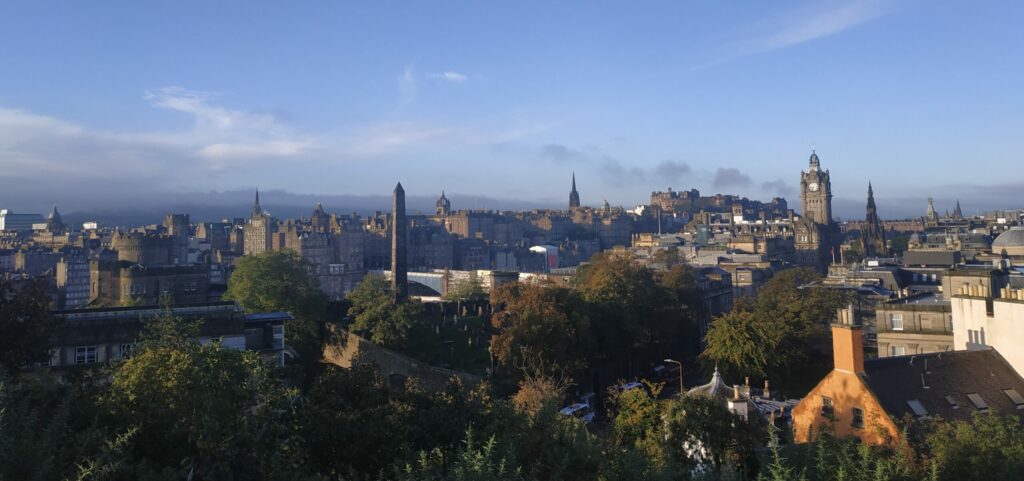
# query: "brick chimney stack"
[[848, 343]]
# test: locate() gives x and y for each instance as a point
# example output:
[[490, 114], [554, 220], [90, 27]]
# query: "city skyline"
[[504, 104]]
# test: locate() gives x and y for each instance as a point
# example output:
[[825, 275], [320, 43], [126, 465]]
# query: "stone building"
[[815, 232], [918, 324], [574, 196], [119, 283], [88, 337], [258, 231], [179, 229], [146, 248]]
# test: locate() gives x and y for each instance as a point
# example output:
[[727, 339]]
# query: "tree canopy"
[[26, 324], [377, 317]]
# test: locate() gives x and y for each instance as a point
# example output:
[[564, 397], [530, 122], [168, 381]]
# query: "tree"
[[26, 324], [466, 290], [705, 434], [208, 410], [988, 443], [280, 281], [740, 344], [377, 317], [630, 308], [546, 323], [775, 335]]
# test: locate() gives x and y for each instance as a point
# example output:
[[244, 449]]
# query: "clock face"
[[813, 186]]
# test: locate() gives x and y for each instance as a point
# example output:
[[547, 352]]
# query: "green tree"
[[703, 432], [203, 410], [777, 334], [740, 343], [280, 281], [26, 324], [989, 444], [377, 317]]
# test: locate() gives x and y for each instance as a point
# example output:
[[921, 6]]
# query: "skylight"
[[952, 402], [1015, 397], [917, 407], [978, 401]]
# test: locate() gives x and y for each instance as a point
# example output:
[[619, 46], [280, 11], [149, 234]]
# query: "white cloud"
[[219, 139], [448, 75], [801, 26]]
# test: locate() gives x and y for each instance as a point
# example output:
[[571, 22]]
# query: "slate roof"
[[897, 380]]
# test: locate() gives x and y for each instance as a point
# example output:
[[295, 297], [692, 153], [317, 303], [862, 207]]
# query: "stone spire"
[[256, 209], [574, 197], [931, 217], [957, 213], [399, 246], [444, 206], [872, 237]]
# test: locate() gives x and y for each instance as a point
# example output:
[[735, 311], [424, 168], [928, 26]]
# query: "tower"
[[257, 231], [574, 197], [872, 237], [320, 221], [815, 233], [399, 246], [444, 206], [816, 192], [931, 216], [957, 213]]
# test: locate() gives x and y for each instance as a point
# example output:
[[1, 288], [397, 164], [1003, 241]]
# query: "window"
[[1015, 397], [896, 319], [85, 354], [952, 402], [858, 418], [125, 350], [918, 408], [827, 408], [978, 401], [898, 350]]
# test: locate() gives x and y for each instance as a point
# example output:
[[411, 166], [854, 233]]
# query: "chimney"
[[767, 394], [847, 343]]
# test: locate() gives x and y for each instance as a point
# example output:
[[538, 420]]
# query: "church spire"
[[574, 197], [256, 209]]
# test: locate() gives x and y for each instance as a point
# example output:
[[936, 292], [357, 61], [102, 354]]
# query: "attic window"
[[1015, 397], [952, 402], [918, 408], [978, 401]]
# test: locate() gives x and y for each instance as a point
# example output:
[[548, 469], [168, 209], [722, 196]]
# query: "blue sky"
[[504, 101]]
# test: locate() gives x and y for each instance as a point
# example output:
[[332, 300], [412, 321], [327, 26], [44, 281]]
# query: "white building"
[[981, 321]]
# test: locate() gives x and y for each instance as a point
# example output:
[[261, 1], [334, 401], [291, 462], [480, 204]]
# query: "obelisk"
[[399, 245]]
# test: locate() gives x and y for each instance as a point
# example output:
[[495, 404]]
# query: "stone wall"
[[347, 349]]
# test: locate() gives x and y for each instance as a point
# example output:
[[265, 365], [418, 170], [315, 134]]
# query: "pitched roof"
[[897, 381]]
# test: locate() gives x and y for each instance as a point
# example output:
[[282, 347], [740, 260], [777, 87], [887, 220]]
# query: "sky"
[[116, 104]]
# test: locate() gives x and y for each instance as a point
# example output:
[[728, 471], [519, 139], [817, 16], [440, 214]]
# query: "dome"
[[1012, 241]]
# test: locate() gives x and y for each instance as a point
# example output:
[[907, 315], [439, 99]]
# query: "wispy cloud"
[[801, 26], [449, 76], [407, 88]]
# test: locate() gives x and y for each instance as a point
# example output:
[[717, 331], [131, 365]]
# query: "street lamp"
[[681, 390]]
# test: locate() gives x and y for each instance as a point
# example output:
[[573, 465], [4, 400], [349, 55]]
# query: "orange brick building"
[[872, 400]]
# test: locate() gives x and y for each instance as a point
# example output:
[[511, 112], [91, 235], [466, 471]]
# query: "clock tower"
[[816, 193]]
